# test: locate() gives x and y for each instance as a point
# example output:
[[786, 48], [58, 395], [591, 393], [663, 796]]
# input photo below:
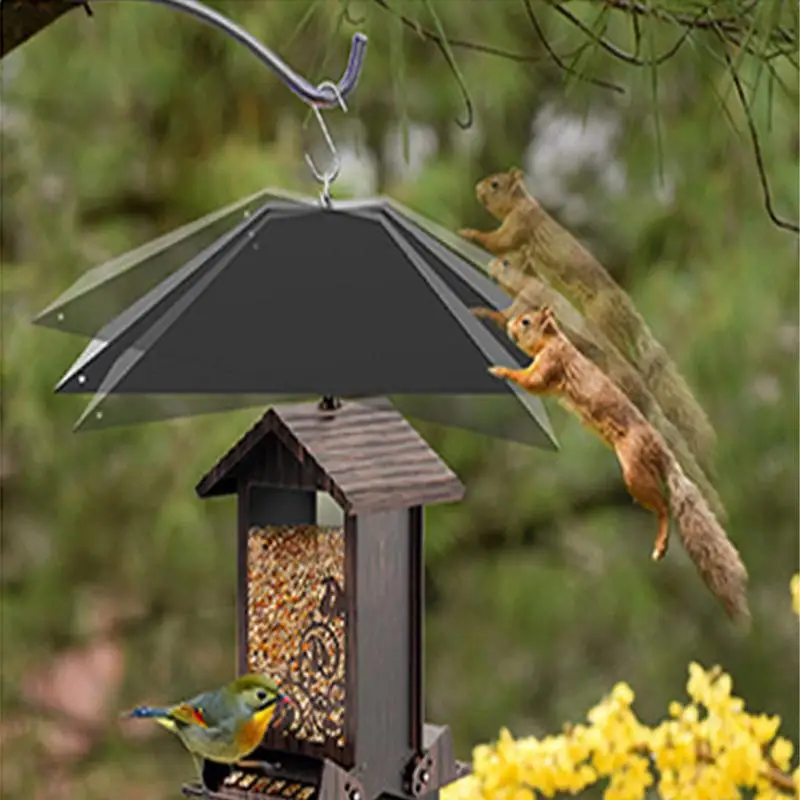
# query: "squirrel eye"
[[494, 184], [525, 322], [505, 262]]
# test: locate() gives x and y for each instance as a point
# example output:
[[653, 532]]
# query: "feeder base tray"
[[240, 785]]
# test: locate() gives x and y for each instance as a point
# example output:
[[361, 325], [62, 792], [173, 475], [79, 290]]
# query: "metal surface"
[[327, 177], [304, 301]]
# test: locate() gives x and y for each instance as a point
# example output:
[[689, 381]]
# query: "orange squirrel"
[[574, 272], [652, 475], [513, 273]]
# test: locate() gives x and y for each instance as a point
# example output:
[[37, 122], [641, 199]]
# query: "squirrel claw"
[[498, 372]]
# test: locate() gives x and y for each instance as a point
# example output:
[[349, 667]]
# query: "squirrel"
[[532, 294], [575, 273], [651, 473]]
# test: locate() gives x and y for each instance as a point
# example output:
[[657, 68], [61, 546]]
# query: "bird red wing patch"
[[189, 715]]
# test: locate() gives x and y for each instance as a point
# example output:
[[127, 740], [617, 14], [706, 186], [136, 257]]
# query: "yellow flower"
[[764, 727], [690, 715], [781, 753], [708, 749], [699, 685], [623, 694]]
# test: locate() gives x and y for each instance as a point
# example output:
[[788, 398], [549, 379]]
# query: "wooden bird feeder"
[[333, 609]]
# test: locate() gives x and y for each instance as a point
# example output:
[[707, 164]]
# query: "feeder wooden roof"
[[365, 454]]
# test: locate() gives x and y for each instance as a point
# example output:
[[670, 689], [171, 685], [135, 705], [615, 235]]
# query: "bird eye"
[[261, 695]]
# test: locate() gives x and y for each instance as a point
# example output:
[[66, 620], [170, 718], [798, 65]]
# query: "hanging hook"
[[329, 176], [326, 95]]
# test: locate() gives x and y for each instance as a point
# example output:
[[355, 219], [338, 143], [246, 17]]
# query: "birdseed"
[[294, 633]]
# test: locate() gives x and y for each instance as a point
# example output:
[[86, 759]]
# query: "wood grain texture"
[[367, 456], [416, 594], [22, 19], [351, 640], [383, 741], [242, 528]]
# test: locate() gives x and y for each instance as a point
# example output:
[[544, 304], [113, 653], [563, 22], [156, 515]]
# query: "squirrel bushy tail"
[[679, 447], [707, 544], [676, 400], [612, 311]]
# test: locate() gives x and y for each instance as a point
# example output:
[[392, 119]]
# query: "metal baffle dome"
[[300, 301]]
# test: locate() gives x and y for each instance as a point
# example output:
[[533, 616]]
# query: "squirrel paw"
[[659, 551], [499, 372], [470, 234]]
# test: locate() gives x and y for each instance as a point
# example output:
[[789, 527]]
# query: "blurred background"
[[118, 583]]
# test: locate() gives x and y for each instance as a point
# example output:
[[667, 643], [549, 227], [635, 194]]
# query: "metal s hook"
[[328, 177]]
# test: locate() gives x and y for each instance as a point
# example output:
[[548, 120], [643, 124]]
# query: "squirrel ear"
[[516, 173], [548, 319]]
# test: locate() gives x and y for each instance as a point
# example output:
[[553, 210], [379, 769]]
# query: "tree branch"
[[751, 127], [557, 60], [22, 19], [431, 36], [617, 52]]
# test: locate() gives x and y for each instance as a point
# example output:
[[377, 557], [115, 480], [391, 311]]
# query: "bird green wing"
[[189, 713], [209, 709]]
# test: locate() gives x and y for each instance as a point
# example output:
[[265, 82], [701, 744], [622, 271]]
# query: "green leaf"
[[447, 51]]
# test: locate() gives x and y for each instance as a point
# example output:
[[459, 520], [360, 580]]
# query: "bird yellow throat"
[[253, 730]]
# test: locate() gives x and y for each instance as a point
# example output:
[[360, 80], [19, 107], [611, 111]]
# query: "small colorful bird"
[[223, 725]]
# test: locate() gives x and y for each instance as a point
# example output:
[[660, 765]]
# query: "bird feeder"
[[376, 303], [333, 608]]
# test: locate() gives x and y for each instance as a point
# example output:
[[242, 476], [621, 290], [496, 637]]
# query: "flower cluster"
[[707, 749]]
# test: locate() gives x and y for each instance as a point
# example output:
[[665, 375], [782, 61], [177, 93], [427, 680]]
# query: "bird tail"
[[160, 715], [146, 712], [713, 553]]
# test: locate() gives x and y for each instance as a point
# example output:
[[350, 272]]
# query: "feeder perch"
[[333, 609]]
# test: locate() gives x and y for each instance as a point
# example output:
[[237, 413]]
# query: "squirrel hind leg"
[[646, 486], [662, 539]]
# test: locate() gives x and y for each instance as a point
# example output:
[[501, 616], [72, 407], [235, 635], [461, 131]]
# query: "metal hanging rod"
[[322, 96]]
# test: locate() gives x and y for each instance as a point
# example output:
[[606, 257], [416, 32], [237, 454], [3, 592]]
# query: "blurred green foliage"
[[541, 594]]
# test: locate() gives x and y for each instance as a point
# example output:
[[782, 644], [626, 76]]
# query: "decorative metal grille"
[[296, 625]]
